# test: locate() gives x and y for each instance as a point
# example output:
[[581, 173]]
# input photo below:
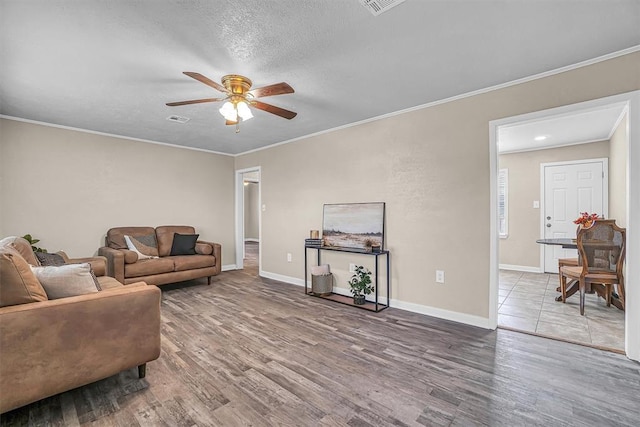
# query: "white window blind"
[[503, 202]]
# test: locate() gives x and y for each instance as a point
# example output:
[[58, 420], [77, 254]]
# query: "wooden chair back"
[[601, 248]]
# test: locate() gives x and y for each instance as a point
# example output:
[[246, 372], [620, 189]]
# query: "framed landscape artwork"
[[353, 225]]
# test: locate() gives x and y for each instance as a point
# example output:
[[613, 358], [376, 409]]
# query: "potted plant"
[[33, 242], [360, 284]]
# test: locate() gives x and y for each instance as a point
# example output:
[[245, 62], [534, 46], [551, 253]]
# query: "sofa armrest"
[[98, 263], [115, 262], [53, 346], [217, 252]]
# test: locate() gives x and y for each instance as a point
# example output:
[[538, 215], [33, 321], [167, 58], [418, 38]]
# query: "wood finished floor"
[[247, 351]]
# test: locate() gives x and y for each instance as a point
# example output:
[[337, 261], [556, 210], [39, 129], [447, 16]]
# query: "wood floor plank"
[[249, 351]]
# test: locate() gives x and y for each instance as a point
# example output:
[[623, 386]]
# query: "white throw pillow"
[[66, 280], [132, 247]]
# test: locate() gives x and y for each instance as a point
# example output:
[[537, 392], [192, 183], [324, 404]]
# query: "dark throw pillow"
[[49, 260], [184, 244]]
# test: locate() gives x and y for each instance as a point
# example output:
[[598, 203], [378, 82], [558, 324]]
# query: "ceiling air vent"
[[376, 7], [178, 119]]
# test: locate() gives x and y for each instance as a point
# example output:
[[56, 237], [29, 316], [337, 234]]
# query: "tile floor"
[[527, 303]]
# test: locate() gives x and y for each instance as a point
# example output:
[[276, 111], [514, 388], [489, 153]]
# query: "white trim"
[[458, 97], [111, 135], [632, 312], [454, 316], [525, 268], [605, 194], [229, 267], [239, 214], [282, 278]]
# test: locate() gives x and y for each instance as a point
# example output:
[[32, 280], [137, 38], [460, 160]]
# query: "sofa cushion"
[[48, 259], [147, 267], [204, 249], [144, 246], [115, 236], [184, 244], [18, 284], [66, 280], [108, 282], [190, 262], [22, 246], [164, 236], [129, 256]]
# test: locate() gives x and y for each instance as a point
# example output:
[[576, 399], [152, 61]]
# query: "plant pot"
[[358, 299]]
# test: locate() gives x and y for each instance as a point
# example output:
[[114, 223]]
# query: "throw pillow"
[[48, 259], [66, 280], [184, 244], [146, 246], [18, 285]]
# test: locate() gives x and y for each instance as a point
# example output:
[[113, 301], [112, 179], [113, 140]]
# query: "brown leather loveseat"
[[48, 346], [127, 266]]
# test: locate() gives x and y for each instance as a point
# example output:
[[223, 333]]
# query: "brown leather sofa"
[[51, 346], [126, 267]]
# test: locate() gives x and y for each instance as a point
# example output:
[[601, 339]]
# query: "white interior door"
[[570, 188]]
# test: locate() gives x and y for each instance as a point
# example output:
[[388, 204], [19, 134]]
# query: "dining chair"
[[601, 252]]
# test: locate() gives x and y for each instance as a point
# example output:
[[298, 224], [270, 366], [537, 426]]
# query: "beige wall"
[[520, 247], [431, 167], [68, 187], [618, 156], [251, 220]]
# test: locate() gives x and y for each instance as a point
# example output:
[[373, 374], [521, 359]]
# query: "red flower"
[[586, 218]]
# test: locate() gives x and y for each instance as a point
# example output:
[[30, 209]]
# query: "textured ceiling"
[[110, 66]]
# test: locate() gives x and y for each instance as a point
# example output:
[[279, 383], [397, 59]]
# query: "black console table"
[[375, 306]]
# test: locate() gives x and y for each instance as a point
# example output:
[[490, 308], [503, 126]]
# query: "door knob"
[[548, 218], [548, 225]]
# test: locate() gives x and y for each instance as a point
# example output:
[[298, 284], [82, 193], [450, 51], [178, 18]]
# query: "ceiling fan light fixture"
[[244, 111], [229, 112]]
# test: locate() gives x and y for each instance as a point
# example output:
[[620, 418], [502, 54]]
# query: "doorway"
[[248, 220], [631, 103]]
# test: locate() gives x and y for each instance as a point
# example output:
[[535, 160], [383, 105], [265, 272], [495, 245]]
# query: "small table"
[[564, 242], [574, 285]]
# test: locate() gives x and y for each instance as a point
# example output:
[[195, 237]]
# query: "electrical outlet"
[[352, 268], [439, 276], [288, 257]]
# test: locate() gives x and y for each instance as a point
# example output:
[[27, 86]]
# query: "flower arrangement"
[[586, 219]]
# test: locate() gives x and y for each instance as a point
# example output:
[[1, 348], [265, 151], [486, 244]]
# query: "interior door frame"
[[631, 102], [605, 195], [240, 216]]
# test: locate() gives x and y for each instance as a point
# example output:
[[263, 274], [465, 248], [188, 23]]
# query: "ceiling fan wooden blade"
[[199, 77], [274, 89], [230, 122], [274, 110], [194, 101]]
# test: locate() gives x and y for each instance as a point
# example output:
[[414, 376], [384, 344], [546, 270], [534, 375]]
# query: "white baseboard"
[[467, 319], [251, 239], [282, 278], [229, 267], [524, 268]]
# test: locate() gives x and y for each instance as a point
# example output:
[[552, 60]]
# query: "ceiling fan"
[[239, 97]]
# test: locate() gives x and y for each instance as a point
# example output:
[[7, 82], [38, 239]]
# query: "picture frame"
[[354, 225]]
